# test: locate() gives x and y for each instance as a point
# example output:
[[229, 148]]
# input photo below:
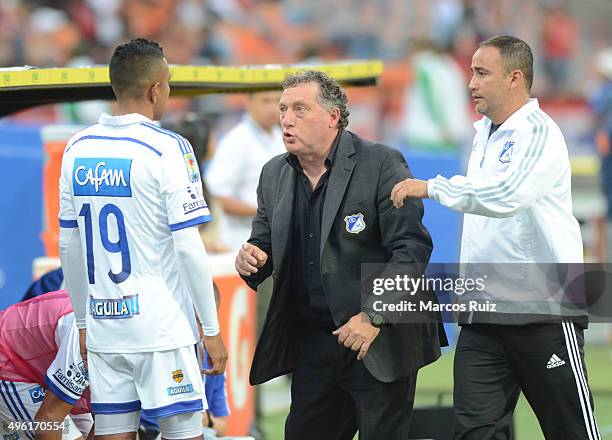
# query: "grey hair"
[[331, 94]]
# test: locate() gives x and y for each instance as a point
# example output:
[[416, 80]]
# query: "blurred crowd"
[[564, 34], [422, 101], [61, 32]]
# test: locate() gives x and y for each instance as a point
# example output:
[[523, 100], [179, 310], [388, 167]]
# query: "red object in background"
[[237, 313], [51, 174]]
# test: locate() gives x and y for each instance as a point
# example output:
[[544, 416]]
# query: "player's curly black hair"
[[331, 95], [133, 65]]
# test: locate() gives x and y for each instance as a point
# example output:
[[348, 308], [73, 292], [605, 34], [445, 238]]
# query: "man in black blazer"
[[323, 210]]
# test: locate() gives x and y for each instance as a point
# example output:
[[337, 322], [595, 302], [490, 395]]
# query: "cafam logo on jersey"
[[100, 176]]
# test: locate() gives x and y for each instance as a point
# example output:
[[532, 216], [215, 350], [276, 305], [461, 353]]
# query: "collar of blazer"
[[342, 170]]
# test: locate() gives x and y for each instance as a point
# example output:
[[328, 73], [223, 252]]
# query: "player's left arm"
[[181, 191], [70, 250]]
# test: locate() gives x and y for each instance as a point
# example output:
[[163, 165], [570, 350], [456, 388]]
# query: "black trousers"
[[333, 394], [493, 363]]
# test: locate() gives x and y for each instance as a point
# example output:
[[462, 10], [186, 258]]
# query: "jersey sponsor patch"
[[122, 308], [192, 167], [37, 394], [99, 176], [195, 200], [73, 379], [506, 153], [183, 389]]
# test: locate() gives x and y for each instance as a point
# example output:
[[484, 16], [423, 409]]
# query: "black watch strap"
[[376, 319]]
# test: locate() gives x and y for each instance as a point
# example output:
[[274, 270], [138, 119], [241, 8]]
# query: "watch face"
[[377, 319]]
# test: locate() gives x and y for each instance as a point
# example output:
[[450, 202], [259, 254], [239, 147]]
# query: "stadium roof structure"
[[24, 87]]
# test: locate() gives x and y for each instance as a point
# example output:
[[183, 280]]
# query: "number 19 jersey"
[[126, 184]]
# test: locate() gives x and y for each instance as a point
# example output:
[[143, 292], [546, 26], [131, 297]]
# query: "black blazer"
[[362, 176]]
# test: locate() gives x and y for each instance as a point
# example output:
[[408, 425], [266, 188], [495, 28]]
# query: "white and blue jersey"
[[126, 184]]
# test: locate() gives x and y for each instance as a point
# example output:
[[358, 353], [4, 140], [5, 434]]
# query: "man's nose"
[[472, 84], [287, 120]]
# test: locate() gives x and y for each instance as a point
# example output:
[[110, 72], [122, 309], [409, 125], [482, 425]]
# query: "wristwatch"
[[376, 319]]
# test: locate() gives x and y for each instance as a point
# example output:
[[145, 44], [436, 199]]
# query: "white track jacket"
[[517, 193]]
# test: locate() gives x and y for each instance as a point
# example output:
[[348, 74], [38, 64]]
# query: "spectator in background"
[[199, 133], [435, 115], [601, 103], [559, 42], [52, 38], [233, 173]]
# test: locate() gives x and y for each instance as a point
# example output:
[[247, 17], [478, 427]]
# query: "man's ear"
[[516, 79], [334, 117], [153, 93]]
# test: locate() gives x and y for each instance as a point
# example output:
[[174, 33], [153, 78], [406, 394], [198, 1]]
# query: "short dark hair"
[[132, 64], [331, 94], [515, 55]]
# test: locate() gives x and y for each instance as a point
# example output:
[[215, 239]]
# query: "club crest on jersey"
[[99, 176], [192, 167], [355, 223], [506, 153], [122, 308], [177, 375]]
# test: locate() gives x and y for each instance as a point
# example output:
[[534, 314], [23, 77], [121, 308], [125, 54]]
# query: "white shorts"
[[160, 383], [19, 403]]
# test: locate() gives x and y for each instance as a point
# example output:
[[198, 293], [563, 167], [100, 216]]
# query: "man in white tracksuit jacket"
[[518, 209]]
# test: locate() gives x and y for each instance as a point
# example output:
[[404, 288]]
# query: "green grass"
[[438, 377]]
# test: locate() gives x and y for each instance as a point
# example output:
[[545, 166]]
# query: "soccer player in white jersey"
[[130, 203]]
